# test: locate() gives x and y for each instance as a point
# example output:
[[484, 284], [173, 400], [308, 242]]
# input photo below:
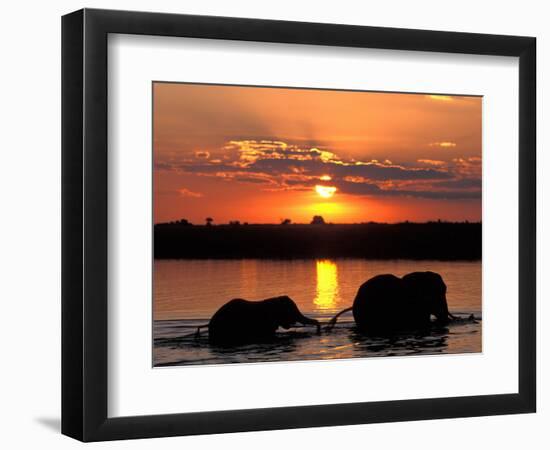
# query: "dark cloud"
[[440, 195], [347, 187], [373, 171], [198, 168], [382, 172], [464, 183], [252, 180]]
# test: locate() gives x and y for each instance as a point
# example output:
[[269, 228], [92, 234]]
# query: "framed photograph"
[[273, 224]]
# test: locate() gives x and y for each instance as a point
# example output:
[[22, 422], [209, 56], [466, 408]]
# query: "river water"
[[188, 292]]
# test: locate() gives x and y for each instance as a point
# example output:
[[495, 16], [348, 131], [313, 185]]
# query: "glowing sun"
[[325, 191]]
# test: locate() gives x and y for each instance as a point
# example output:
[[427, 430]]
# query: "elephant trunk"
[[443, 316], [307, 321], [198, 332], [332, 321]]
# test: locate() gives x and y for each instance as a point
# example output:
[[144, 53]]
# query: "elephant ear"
[[428, 292], [425, 283], [284, 311]]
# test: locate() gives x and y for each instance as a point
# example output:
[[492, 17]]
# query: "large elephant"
[[242, 321], [386, 304]]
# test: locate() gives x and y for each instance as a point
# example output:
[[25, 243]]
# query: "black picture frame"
[[84, 224]]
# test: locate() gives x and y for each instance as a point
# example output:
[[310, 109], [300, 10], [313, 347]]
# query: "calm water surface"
[[188, 292]]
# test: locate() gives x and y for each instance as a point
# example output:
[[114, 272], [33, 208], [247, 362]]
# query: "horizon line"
[[245, 223]]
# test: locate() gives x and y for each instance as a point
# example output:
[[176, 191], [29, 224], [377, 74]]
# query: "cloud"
[[255, 180], [202, 154], [443, 144], [441, 195], [432, 162], [249, 152], [382, 172], [277, 165], [464, 183], [187, 193], [470, 167], [440, 98], [277, 157], [194, 167], [428, 192]]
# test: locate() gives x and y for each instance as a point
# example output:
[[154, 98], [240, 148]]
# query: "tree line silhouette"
[[407, 240], [317, 220]]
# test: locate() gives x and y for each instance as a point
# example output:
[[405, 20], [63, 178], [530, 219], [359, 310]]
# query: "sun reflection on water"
[[327, 284]]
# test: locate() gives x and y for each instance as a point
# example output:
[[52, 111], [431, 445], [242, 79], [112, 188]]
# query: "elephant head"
[[429, 292], [287, 313]]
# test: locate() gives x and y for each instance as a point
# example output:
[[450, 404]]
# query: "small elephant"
[[386, 304], [242, 321]]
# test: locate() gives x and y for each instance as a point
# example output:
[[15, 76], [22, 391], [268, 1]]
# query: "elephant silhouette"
[[386, 304], [242, 321]]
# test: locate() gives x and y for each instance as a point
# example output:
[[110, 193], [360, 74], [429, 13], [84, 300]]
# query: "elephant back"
[[377, 304], [240, 320]]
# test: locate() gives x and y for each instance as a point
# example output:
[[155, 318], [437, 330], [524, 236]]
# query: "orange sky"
[[260, 155]]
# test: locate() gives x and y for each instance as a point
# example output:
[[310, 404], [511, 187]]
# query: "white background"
[[30, 181], [135, 389]]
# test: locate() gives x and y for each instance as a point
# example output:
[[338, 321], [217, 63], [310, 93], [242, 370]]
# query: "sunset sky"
[[260, 155]]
